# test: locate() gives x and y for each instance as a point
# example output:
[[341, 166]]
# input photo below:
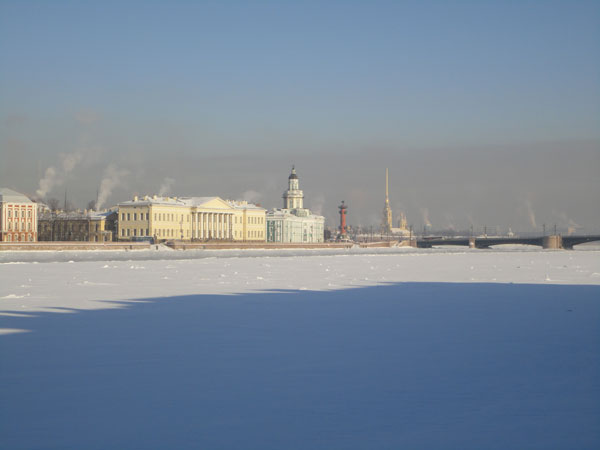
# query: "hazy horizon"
[[484, 113]]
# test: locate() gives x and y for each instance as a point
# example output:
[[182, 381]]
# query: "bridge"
[[552, 241]]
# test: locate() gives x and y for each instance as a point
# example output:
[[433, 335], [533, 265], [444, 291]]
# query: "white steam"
[[252, 196], [113, 177], [425, 214], [166, 186], [55, 177], [47, 183], [317, 204], [530, 214]]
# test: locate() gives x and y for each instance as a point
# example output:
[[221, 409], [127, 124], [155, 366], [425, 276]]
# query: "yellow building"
[[188, 218], [249, 221]]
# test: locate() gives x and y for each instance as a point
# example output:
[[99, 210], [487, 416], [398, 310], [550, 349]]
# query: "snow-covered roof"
[[197, 201], [8, 195], [154, 200], [302, 213], [188, 201], [75, 215], [243, 204]]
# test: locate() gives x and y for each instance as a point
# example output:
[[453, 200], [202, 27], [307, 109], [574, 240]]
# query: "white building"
[[294, 223], [18, 217]]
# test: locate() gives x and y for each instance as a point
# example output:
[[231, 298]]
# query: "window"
[[8, 237], [134, 216], [122, 216], [128, 216], [122, 231], [135, 231], [10, 213], [29, 214]]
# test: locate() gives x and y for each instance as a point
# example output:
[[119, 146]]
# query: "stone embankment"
[[60, 246], [182, 245]]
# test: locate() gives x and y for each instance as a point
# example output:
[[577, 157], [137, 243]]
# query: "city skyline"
[[485, 113]]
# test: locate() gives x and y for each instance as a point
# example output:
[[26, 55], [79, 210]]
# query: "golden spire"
[[386, 223], [387, 198]]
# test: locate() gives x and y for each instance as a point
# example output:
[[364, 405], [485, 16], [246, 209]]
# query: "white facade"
[[294, 223]]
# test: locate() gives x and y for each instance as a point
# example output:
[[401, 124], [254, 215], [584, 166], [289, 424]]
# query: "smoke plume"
[[47, 183], [425, 214], [251, 196], [530, 214], [113, 177], [166, 186], [55, 177], [317, 204]]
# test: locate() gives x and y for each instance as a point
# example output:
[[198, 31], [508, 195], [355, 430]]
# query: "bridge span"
[[552, 241]]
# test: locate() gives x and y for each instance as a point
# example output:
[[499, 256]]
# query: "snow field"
[[469, 350]]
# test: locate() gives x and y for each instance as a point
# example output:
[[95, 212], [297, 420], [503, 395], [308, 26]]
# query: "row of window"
[[19, 237], [19, 226], [256, 220], [16, 213], [143, 216], [163, 217], [126, 232]]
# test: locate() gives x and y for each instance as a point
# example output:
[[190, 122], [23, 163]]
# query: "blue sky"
[[288, 79]]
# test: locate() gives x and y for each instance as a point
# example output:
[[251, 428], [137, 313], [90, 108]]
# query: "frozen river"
[[395, 349]]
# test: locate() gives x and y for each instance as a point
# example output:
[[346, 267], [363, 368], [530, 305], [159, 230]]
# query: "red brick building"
[[18, 217]]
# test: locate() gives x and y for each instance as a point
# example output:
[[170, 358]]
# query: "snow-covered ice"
[[373, 349]]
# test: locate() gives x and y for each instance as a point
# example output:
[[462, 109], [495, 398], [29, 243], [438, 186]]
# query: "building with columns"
[[294, 223], [188, 218], [18, 217]]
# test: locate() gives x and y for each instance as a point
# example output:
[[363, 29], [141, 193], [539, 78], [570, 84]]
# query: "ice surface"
[[412, 349]]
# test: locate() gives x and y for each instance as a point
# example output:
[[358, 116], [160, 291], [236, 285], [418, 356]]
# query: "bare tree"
[[53, 203]]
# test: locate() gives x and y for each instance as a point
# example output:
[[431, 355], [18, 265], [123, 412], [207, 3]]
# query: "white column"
[[212, 225], [200, 225]]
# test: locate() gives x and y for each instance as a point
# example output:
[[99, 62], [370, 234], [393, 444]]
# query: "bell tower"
[[293, 198]]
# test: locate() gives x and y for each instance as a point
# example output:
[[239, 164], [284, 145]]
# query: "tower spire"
[[386, 223], [387, 198]]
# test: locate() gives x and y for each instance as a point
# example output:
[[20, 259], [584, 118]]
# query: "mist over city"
[[491, 123]]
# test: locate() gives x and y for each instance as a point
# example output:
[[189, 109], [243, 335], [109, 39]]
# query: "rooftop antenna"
[[65, 208]]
